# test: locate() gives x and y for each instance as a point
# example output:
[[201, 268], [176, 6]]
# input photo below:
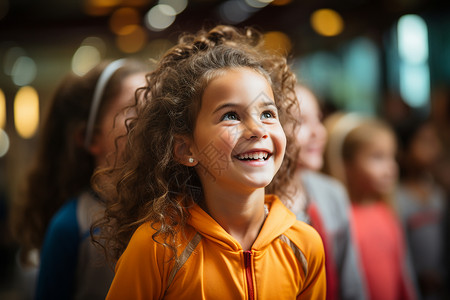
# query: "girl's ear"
[[182, 151]]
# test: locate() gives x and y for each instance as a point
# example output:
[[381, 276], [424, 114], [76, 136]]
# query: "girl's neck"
[[241, 214]]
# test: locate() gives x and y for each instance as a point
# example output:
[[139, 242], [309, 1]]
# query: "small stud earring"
[[191, 160]]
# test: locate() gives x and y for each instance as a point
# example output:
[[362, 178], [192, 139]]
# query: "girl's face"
[[238, 140], [311, 135], [373, 169], [112, 125]]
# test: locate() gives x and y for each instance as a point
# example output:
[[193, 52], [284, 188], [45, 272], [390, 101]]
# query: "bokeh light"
[[2, 109], [361, 62], [123, 17], [24, 71], [412, 39], [95, 42], [84, 59], [415, 84], [177, 5], [100, 7], [414, 71], [26, 112], [257, 3], [11, 55], [4, 143], [131, 39], [235, 11], [327, 22], [278, 42], [159, 17]]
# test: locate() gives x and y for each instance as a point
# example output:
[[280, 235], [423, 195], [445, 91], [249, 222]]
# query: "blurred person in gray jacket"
[[322, 201]]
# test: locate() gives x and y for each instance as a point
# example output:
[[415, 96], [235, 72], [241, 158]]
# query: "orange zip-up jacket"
[[286, 261]]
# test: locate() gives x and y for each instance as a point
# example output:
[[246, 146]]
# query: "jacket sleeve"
[[314, 286], [140, 270]]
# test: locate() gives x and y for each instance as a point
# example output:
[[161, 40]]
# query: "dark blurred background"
[[372, 56]]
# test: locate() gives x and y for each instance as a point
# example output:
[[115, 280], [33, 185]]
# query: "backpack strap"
[[297, 252], [190, 247]]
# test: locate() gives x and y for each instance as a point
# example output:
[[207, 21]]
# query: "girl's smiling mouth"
[[256, 155]]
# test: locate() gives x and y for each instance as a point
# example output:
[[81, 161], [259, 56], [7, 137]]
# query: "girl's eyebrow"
[[225, 105], [233, 105], [267, 103]]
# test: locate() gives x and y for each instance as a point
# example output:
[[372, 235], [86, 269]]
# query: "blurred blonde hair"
[[338, 126], [348, 133]]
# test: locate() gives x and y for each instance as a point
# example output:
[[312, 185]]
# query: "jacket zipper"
[[248, 274]]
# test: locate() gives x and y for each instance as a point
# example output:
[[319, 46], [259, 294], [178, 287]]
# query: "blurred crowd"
[[395, 166], [376, 188]]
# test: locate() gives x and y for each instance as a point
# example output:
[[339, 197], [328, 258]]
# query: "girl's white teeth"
[[253, 155]]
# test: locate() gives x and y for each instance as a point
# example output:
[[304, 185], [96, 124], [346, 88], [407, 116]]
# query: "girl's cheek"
[[302, 136], [230, 135]]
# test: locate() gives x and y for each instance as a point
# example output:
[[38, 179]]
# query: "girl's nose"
[[254, 130]]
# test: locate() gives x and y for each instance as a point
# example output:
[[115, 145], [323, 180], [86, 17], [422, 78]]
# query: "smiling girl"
[[192, 220]]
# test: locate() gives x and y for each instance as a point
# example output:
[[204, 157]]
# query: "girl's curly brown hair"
[[150, 185]]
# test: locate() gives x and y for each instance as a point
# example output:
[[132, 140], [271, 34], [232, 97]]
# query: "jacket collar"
[[277, 222]]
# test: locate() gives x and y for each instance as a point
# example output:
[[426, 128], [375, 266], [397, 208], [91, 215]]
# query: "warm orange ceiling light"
[[26, 111], [277, 41], [99, 7], [123, 17], [131, 39], [327, 22]]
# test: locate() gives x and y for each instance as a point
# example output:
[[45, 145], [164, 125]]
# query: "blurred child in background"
[[84, 120], [323, 202], [421, 202], [361, 153]]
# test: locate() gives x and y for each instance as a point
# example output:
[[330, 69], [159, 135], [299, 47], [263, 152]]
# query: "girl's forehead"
[[238, 80], [217, 73], [370, 136], [380, 138], [236, 88]]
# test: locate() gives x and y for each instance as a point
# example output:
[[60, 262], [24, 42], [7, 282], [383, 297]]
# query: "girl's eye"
[[267, 115], [230, 116]]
